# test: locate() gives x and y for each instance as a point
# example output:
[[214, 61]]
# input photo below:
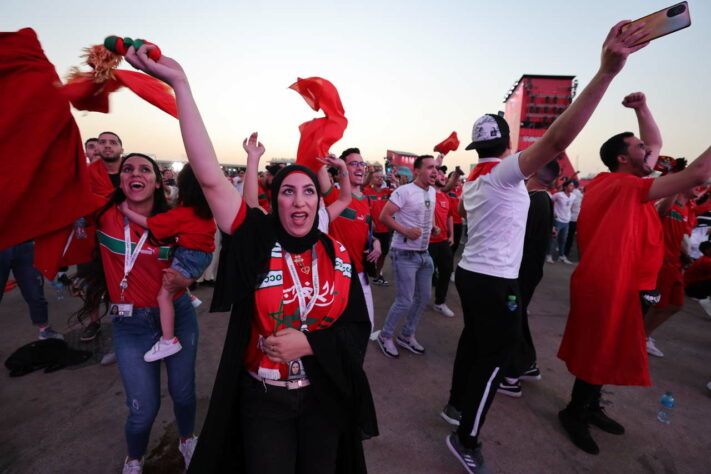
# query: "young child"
[[192, 224]]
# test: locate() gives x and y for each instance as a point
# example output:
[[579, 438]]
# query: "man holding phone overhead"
[[496, 204]]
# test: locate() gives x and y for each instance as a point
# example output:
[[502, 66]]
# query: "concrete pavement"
[[71, 421]]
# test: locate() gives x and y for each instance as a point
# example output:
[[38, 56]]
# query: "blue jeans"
[[20, 259], [191, 263], [413, 279], [133, 336], [561, 237]]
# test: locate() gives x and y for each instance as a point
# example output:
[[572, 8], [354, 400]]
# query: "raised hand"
[[253, 146], [619, 45], [635, 100], [166, 69], [334, 162]]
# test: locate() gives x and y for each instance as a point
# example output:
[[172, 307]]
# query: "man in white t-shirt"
[[562, 206], [574, 213], [410, 213], [496, 205]]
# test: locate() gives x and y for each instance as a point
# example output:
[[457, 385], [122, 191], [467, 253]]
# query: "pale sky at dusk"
[[409, 73]]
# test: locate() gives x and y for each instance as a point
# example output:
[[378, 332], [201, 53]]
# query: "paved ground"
[[71, 421]]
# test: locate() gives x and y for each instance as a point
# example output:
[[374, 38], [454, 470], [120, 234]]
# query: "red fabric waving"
[[85, 94], [46, 184], [451, 143], [318, 135], [621, 248]]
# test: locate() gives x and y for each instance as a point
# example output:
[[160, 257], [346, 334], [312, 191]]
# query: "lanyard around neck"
[[130, 257], [304, 309]]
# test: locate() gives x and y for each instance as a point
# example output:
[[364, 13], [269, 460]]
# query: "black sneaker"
[[471, 459], [451, 415], [509, 388], [90, 332], [599, 418], [380, 281], [577, 428], [531, 374]]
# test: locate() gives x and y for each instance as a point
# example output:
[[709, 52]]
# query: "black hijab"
[[244, 260], [288, 242]]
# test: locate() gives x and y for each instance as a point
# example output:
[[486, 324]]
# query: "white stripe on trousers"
[[482, 402]]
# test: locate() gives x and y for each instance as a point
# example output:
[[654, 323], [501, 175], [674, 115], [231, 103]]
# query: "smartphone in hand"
[[663, 22]]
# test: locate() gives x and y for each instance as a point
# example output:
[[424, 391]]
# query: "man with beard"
[[352, 227], [440, 247], [621, 248], [410, 213]]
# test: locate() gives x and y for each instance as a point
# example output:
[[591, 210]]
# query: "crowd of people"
[[298, 250]]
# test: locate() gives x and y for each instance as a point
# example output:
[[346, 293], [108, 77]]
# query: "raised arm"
[[323, 180], [344, 184], [254, 150], [615, 50], [133, 216], [223, 198], [696, 174], [648, 130]]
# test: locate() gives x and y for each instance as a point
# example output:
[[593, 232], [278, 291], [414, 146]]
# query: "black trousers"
[[458, 228], [699, 289], [441, 254], [572, 225], [492, 330], [585, 397], [286, 431]]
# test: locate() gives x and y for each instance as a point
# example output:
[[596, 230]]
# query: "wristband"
[[343, 173]]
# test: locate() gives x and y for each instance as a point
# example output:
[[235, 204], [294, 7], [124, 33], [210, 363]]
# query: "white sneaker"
[[410, 343], [706, 304], [451, 278], [162, 349], [549, 259], [109, 358], [564, 259], [195, 301], [652, 349], [442, 308], [132, 467], [187, 448], [388, 347], [708, 385]]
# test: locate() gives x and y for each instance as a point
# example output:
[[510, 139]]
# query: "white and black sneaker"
[[510, 387], [471, 459], [533, 373], [451, 415], [411, 344], [386, 345]]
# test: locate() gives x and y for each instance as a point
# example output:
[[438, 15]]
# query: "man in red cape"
[[621, 247], [46, 186]]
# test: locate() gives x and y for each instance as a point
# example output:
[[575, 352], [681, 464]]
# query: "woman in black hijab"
[[294, 304]]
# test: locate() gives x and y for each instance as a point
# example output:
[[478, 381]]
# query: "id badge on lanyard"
[[124, 308], [304, 309]]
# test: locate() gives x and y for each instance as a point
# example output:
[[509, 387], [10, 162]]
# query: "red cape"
[[319, 134], [621, 248], [45, 186]]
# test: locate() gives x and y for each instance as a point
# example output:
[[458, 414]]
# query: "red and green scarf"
[[277, 305]]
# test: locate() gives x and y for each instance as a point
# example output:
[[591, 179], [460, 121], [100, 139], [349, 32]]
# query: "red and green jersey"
[[441, 214], [351, 228], [378, 199], [144, 280], [264, 197], [675, 225]]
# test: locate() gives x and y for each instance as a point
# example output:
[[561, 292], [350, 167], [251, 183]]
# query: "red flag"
[[451, 143], [45, 186], [91, 90], [318, 135]]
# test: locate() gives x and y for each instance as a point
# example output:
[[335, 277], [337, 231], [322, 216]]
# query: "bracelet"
[[343, 174]]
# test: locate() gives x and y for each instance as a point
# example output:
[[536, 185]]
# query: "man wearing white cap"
[[496, 204]]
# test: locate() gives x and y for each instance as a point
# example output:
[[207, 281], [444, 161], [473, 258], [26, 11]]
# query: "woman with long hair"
[[295, 304], [128, 273]]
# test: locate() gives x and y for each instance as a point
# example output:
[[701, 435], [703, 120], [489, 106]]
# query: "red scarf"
[[484, 166], [277, 305]]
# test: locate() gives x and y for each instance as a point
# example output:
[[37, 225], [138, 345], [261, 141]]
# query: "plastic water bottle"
[[512, 304], [665, 412], [80, 228], [60, 290]]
